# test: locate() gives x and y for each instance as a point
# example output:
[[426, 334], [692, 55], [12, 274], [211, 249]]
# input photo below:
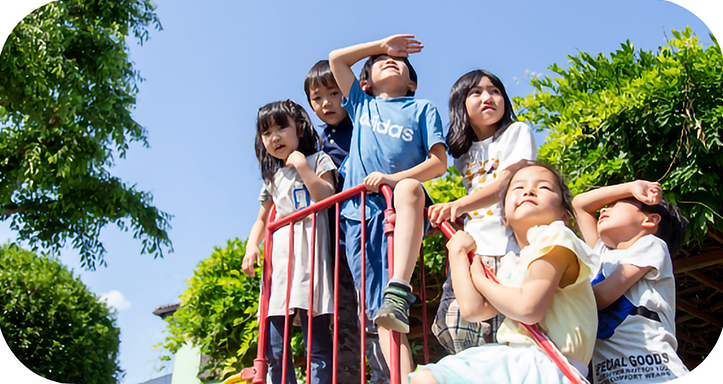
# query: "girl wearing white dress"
[[296, 175]]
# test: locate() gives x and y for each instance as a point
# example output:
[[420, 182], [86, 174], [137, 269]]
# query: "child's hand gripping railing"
[[540, 338], [258, 372]]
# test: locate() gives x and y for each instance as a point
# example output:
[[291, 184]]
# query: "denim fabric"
[[321, 349]]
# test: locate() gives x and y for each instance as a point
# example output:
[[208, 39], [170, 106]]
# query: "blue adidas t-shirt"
[[390, 136]]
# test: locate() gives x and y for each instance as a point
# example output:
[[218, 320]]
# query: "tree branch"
[[7, 212]]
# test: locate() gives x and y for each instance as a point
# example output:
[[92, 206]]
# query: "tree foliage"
[[67, 89], [447, 188], [639, 115], [53, 323], [218, 312]]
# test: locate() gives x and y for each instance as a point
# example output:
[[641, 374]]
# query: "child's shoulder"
[[516, 129], [542, 238]]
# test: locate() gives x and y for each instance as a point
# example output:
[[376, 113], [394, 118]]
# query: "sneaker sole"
[[389, 321]]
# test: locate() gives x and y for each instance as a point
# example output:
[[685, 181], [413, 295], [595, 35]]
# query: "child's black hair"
[[320, 73], [366, 71], [673, 226], [461, 135], [565, 194], [281, 113]]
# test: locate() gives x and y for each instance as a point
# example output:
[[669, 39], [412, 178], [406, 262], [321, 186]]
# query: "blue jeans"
[[321, 349], [377, 275]]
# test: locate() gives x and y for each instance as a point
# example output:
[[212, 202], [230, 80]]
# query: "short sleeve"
[[648, 251], [516, 143], [265, 194], [545, 237], [356, 97], [324, 164], [434, 132]]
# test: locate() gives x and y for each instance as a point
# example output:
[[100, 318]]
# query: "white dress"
[[290, 195]]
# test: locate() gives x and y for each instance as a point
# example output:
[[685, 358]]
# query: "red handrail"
[[540, 338], [260, 364]]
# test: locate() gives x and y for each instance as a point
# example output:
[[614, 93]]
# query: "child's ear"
[[365, 86], [412, 86], [652, 220]]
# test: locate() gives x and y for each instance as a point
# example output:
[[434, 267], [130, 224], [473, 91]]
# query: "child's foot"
[[394, 312]]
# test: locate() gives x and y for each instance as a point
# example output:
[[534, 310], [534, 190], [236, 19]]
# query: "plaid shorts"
[[455, 333]]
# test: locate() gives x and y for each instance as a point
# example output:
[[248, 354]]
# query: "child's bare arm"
[[529, 303], [319, 187], [434, 166], [253, 256], [615, 285], [587, 204], [480, 198], [472, 305], [342, 59]]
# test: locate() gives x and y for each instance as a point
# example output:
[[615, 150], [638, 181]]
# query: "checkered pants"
[[455, 333]]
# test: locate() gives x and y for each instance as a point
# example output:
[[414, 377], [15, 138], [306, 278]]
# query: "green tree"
[[639, 115], [53, 323], [67, 89], [442, 190], [218, 312]]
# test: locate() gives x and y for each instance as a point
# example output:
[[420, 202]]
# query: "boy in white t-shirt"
[[634, 237]]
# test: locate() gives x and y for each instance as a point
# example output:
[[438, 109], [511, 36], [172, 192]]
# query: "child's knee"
[[408, 191], [423, 376]]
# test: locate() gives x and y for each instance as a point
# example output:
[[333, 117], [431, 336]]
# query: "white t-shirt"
[[290, 195], [636, 334], [479, 167]]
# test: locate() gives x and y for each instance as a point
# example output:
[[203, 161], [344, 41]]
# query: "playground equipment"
[[257, 373]]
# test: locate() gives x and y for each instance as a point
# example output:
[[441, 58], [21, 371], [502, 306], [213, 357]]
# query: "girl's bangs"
[[273, 116]]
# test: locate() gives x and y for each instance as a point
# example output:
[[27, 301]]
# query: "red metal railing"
[[260, 363], [258, 372]]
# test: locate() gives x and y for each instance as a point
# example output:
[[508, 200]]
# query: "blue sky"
[[216, 62]]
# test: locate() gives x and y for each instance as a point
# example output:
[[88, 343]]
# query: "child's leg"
[[321, 347], [405, 352], [275, 351], [348, 371], [409, 229], [409, 199], [375, 356], [453, 332]]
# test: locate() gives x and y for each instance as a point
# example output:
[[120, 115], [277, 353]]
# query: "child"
[[548, 284], [487, 144], [296, 175], [635, 237], [325, 99], [397, 141]]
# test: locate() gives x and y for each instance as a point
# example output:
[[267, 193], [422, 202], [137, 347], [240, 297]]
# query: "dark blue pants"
[[321, 349]]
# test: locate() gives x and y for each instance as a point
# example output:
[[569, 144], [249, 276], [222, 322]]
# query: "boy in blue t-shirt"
[[325, 99], [397, 141]]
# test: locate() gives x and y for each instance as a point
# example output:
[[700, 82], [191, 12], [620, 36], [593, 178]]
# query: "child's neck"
[[391, 95], [624, 240], [485, 132], [520, 232]]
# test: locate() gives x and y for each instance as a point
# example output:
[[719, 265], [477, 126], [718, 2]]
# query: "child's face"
[[485, 107], [390, 76], [326, 103], [620, 221], [279, 141], [534, 198]]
